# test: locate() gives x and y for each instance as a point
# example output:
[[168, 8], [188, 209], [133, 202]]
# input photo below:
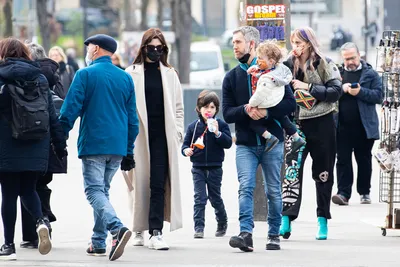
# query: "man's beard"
[[240, 55], [352, 67]]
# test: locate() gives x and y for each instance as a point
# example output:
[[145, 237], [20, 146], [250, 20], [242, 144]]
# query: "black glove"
[[128, 163], [61, 153]]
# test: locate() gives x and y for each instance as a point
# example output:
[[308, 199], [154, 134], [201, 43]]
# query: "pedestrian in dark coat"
[[23, 161], [49, 69]]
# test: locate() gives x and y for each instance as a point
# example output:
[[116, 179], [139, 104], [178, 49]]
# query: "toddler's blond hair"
[[270, 49]]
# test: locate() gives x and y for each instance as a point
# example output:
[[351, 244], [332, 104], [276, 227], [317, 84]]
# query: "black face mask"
[[154, 55], [245, 58]]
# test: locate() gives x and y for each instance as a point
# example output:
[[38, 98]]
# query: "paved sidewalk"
[[354, 236]]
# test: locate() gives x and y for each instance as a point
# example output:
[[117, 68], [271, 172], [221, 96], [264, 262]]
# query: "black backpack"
[[29, 108]]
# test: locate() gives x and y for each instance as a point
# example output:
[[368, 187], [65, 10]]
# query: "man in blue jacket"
[[103, 96], [236, 90], [358, 124]]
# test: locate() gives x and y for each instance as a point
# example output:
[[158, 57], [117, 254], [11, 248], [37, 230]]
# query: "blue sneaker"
[[322, 229], [270, 143], [286, 227]]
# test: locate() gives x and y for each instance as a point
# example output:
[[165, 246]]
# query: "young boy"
[[268, 81], [206, 152]]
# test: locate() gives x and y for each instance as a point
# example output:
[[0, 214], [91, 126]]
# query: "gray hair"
[[250, 34], [349, 45], [37, 51]]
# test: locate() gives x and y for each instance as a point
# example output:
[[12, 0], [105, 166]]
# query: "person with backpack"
[[49, 69], [27, 122]]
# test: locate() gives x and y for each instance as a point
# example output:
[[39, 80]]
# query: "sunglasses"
[[158, 48]]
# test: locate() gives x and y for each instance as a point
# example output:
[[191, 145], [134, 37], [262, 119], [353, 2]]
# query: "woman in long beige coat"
[[156, 196]]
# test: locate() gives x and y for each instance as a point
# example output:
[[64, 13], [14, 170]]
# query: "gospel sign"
[[264, 11]]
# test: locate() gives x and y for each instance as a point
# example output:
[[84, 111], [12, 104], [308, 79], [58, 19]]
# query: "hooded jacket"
[[29, 155], [271, 87], [49, 69]]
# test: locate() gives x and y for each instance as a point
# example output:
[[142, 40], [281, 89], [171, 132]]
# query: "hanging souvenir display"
[[269, 19], [388, 152]]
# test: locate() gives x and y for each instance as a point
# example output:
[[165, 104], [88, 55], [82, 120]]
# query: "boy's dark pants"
[[207, 180], [259, 128]]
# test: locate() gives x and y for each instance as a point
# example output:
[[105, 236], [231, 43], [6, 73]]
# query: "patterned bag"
[[304, 99]]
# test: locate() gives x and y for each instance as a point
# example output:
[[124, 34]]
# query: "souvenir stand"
[[269, 19], [388, 154]]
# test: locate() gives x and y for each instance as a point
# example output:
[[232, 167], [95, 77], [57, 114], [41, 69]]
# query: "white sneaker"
[[138, 240], [157, 242], [43, 233]]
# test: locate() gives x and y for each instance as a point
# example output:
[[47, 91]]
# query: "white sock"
[[267, 135]]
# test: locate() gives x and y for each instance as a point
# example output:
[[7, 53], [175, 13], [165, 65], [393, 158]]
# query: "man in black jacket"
[[250, 147], [358, 124]]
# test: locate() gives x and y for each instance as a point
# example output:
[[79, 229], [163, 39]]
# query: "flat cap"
[[104, 41]]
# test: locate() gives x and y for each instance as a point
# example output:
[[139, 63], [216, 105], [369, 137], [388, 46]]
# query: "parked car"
[[226, 38], [206, 64]]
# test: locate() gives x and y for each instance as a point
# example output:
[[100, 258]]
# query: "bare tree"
[[129, 16], [160, 17], [182, 25], [7, 10], [143, 12], [43, 18]]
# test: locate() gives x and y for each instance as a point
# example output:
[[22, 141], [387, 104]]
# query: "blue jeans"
[[98, 171], [247, 161], [207, 186]]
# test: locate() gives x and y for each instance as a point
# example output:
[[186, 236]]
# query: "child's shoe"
[[297, 144], [322, 229], [270, 143], [286, 227], [221, 230], [198, 235]]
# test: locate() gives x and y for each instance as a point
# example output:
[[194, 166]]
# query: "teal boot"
[[286, 227], [322, 229]]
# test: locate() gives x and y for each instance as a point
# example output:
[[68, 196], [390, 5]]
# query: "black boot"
[[221, 230], [7, 252], [244, 242]]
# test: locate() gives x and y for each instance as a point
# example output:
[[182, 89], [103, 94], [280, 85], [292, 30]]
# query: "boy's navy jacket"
[[213, 153], [236, 92]]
